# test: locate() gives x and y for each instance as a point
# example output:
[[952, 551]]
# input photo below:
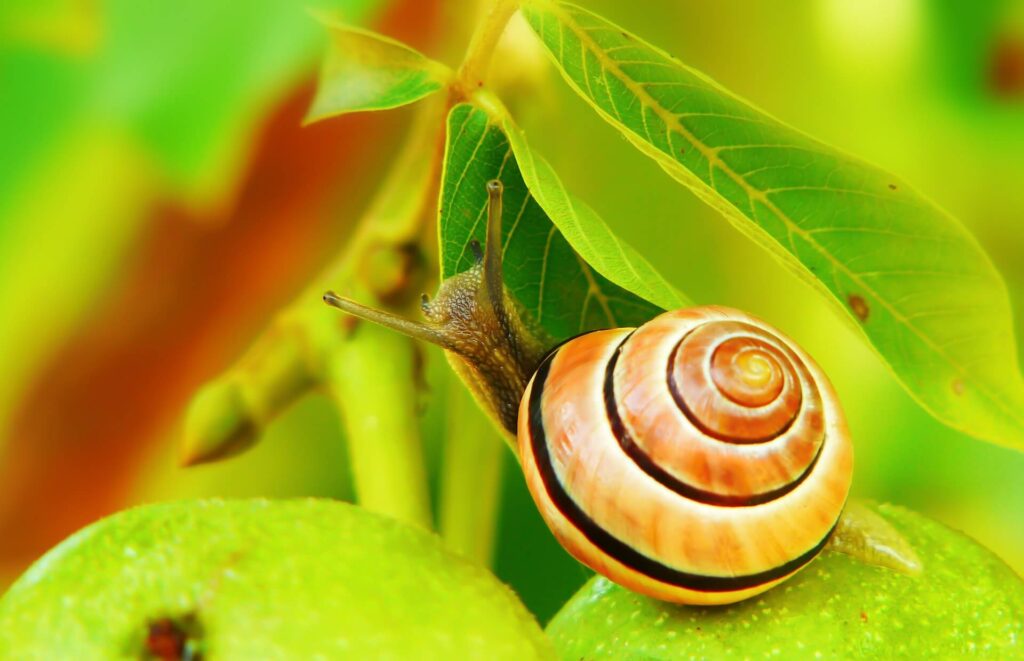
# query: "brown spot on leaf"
[[682, 150], [958, 386], [863, 616], [1006, 67], [859, 306]]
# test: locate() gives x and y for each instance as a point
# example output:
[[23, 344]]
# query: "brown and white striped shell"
[[702, 458]]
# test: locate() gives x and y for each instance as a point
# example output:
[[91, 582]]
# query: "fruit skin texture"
[[965, 603], [263, 580]]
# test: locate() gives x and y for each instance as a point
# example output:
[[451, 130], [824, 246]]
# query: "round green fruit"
[[260, 580], [965, 602]]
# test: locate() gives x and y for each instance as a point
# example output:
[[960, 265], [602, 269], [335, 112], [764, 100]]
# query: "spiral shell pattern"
[[701, 458]]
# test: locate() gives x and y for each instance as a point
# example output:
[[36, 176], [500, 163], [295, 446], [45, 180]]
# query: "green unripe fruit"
[[965, 602], [261, 580]]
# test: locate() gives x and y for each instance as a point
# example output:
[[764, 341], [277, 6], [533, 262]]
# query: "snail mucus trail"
[[495, 349]]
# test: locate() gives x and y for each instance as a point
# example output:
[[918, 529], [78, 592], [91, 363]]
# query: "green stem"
[[477, 60], [370, 373], [371, 380], [471, 477], [291, 356]]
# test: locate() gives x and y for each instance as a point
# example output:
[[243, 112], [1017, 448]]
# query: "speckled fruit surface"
[[965, 603], [295, 579]]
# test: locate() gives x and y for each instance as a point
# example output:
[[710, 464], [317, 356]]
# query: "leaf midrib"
[[754, 193]]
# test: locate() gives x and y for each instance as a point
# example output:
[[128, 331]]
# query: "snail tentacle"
[[488, 336]]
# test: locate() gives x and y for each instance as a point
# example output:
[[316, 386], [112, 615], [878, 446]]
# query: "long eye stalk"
[[392, 321], [493, 280]]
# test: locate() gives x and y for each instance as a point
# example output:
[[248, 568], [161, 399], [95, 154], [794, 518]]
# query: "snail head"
[[483, 328]]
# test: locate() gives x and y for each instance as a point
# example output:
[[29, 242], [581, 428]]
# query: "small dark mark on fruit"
[[958, 386], [863, 616], [892, 186], [174, 639], [859, 306], [164, 640]]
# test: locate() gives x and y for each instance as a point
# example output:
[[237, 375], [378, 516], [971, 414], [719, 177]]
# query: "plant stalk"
[[477, 61], [371, 380], [470, 478]]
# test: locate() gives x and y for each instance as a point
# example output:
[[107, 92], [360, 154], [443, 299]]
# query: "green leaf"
[[555, 284], [966, 602], [368, 71], [255, 579], [586, 232], [918, 285]]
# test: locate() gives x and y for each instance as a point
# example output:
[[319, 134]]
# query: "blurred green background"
[[159, 200]]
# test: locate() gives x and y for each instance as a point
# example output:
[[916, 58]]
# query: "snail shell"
[[702, 458]]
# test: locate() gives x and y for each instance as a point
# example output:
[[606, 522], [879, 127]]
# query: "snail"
[[701, 458]]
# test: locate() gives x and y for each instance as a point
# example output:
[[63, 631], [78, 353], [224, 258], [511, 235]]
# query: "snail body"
[[701, 458]]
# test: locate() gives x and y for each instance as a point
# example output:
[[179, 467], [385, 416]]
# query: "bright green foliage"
[[966, 602], [561, 291], [262, 580], [916, 282], [586, 232], [368, 71]]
